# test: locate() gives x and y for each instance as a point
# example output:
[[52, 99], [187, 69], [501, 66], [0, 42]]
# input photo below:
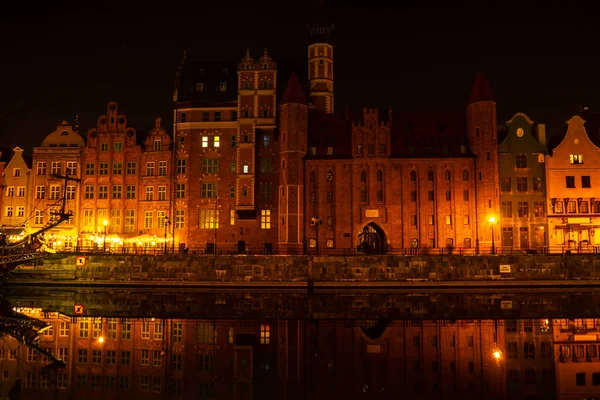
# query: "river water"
[[290, 344]]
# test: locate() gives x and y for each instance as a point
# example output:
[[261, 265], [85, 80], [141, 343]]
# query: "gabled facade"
[[573, 190], [110, 185], [523, 185], [58, 156], [15, 205]]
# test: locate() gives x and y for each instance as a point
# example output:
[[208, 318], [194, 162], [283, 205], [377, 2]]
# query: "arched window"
[[382, 148], [363, 176], [413, 176], [329, 176], [465, 175], [379, 176], [446, 175], [430, 176], [313, 176]]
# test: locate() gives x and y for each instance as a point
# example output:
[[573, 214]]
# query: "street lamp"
[[167, 223], [492, 221], [105, 222]]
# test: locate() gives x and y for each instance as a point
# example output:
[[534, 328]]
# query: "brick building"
[[261, 164]]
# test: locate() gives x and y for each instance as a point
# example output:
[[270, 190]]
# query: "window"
[[571, 207], [505, 184], [448, 220], [217, 116], [413, 195], [199, 87], [117, 168], [585, 182], [265, 219], [446, 175], [104, 146], [150, 169], [521, 161], [130, 194], [131, 168], [465, 195], [208, 190], [465, 175], [266, 164], [204, 141], [148, 219], [529, 350], [41, 168], [448, 195], [149, 193], [329, 151], [103, 168], [182, 117], [56, 167], [430, 195], [208, 219], [181, 166], [466, 220], [265, 334], [523, 209], [576, 158], [245, 168], [570, 182], [430, 176], [521, 184], [210, 165], [580, 379], [584, 207], [413, 176], [558, 207], [266, 192], [223, 87], [538, 209], [234, 115], [162, 168], [265, 113], [216, 141], [157, 145], [538, 185]]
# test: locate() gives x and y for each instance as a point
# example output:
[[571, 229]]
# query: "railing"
[[234, 249]]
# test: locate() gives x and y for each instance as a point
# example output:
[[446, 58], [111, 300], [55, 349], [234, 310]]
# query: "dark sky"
[[65, 59]]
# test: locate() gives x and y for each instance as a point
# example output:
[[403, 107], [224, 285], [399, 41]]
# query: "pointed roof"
[[480, 91], [293, 92]]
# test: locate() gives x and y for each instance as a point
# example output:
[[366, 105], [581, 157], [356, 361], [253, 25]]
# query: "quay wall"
[[112, 268]]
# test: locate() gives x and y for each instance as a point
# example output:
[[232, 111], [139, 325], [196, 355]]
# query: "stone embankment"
[[313, 271]]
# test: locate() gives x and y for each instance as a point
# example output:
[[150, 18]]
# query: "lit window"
[[330, 151], [265, 334], [246, 168], [216, 141], [576, 158], [265, 219], [223, 87], [204, 141]]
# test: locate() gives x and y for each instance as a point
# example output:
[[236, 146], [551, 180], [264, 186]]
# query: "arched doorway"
[[372, 239]]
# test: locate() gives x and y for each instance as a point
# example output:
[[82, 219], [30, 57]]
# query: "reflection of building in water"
[[529, 359], [272, 359], [576, 357]]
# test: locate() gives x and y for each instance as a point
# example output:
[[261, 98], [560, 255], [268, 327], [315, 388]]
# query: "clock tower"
[[320, 57]]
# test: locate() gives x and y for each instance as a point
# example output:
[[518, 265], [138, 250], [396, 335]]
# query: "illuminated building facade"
[[15, 205], [522, 155], [58, 156], [572, 193]]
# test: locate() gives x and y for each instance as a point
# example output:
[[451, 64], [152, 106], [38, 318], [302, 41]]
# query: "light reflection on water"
[[293, 345]]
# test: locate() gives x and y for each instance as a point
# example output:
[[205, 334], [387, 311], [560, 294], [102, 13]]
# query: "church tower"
[[320, 58], [293, 130], [483, 139]]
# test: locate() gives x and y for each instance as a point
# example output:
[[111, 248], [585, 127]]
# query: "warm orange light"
[[101, 339], [497, 354], [492, 219]]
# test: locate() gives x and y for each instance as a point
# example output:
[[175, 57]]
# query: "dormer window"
[[223, 87], [157, 145], [199, 87]]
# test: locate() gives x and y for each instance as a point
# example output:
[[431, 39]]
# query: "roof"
[[480, 91], [329, 130], [428, 134], [210, 75], [63, 136], [294, 93]]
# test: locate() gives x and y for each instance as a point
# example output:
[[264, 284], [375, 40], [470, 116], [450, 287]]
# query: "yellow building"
[[58, 156], [573, 194], [15, 208]]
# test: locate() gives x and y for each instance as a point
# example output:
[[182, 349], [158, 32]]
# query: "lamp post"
[[105, 222], [492, 221], [167, 223]]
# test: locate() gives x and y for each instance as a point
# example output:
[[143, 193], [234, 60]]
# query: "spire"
[[480, 91], [293, 92], [320, 24], [76, 127]]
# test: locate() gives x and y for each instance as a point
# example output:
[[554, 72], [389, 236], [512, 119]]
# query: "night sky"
[[58, 61]]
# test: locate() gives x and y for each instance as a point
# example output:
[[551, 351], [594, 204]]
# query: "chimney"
[[540, 133]]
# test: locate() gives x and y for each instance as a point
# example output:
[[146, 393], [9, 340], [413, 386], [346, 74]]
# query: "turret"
[[320, 58]]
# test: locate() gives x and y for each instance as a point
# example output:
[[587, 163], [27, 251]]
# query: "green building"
[[522, 153]]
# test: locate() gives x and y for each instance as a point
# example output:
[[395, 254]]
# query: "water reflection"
[[302, 358]]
